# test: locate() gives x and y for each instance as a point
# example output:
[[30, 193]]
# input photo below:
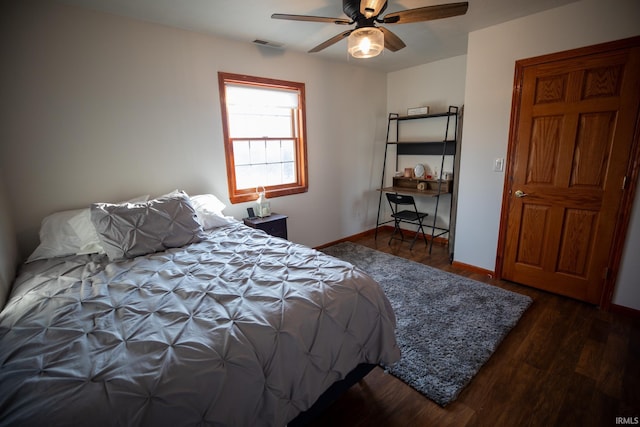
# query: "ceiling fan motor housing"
[[351, 8]]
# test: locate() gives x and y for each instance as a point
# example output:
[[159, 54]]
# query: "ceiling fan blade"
[[391, 41], [427, 13], [371, 8], [332, 40], [308, 18]]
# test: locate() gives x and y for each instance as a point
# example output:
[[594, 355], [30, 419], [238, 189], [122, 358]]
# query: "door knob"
[[520, 194]]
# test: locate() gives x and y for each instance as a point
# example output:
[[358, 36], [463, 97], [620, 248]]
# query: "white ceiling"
[[247, 20]]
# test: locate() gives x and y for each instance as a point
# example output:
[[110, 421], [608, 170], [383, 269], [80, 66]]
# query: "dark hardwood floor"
[[566, 363]]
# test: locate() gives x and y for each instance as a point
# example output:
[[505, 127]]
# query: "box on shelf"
[[416, 111]]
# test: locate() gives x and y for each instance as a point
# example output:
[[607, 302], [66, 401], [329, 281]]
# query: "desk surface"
[[405, 190]]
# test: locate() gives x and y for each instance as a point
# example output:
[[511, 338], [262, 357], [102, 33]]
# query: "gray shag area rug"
[[447, 325]]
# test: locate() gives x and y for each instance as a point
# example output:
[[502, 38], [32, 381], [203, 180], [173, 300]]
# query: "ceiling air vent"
[[268, 43]]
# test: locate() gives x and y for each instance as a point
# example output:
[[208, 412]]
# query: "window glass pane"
[[246, 95], [274, 174], [288, 172], [264, 162], [258, 152], [260, 112], [288, 150], [250, 177], [243, 177], [272, 123], [241, 153], [273, 152], [278, 126], [258, 174]]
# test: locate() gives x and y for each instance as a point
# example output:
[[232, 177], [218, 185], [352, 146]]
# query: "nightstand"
[[274, 224]]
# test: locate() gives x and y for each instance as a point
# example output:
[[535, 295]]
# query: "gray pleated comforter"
[[241, 329]]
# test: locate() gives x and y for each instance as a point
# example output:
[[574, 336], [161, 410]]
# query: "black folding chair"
[[397, 202]]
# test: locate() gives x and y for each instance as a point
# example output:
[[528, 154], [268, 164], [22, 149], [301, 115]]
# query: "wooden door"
[[572, 137]]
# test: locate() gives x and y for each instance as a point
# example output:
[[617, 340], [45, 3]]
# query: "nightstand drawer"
[[275, 224]]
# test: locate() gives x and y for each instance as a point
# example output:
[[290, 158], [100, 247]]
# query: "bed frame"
[[331, 394]]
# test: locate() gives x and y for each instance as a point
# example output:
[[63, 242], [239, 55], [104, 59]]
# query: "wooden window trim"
[[301, 185]]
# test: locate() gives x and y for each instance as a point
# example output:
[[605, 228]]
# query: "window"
[[263, 121]]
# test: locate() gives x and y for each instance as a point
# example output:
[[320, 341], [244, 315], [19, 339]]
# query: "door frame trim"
[[633, 167]]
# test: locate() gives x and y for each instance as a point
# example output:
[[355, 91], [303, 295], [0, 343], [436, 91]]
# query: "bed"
[[232, 328]]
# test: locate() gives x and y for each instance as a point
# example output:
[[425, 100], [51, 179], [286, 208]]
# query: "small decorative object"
[[422, 186], [408, 172], [398, 174], [263, 205], [416, 111], [419, 170], [251, 213], [448, 176]]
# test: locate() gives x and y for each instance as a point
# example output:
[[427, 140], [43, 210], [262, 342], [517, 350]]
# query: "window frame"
[[301, 185]]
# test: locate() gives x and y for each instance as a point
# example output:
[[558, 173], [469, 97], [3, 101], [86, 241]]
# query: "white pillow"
[[57, 237], [209, 210], [208, 202], [70, 233], [86, 232]]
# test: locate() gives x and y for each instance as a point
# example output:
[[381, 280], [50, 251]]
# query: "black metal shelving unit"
[[443, 148]]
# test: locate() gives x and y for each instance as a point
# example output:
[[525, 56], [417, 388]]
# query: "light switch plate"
[[498, 165]]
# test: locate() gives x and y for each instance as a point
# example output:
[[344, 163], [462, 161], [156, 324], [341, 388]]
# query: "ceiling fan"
[[367, 39]]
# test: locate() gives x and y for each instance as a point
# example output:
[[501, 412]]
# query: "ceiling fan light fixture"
[[365, 42]]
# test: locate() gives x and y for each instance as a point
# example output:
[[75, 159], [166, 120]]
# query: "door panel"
[[532, 235], [569, 153], [593, 145], [544, 151], [575, 244]]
